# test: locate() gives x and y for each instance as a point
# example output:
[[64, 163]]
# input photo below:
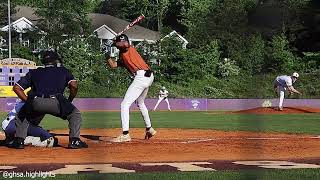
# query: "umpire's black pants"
[[49, 106]]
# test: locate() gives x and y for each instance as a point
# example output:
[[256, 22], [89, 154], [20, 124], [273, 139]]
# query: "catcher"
[[37, 136], [138, 90]]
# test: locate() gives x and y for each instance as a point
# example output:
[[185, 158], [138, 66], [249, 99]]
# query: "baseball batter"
[[163, 95], [37, 136], [283, 83], [143, 78]]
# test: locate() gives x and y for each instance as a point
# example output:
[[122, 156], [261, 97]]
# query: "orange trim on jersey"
[[133, 61]]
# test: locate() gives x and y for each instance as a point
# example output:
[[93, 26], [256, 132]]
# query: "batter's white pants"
[[138, 90], [160, 99]]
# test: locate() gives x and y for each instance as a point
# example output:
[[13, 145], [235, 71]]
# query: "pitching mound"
[[274, 110], [169, 145]]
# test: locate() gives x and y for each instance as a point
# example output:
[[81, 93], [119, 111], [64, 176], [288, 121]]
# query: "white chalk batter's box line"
[[199, 140]]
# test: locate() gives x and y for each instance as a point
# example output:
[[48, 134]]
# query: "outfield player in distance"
[[283, 83], [163, 95], [138, 90], [36, 136]]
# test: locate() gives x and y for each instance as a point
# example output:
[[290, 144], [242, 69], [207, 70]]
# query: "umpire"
[[48, 85]]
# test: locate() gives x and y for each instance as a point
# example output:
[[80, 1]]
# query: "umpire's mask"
[[51, 58]]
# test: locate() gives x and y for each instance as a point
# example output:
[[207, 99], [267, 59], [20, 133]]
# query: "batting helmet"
[[50, 57], [122, 37], [295, 74]]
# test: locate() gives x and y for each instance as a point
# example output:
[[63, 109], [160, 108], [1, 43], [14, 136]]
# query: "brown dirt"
[[273, 110], [170, 145]]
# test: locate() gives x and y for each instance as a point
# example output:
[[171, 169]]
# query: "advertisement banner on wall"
[[196, 104], [6, 91]]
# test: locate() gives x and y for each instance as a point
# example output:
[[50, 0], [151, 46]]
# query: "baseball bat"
[[129, 26]]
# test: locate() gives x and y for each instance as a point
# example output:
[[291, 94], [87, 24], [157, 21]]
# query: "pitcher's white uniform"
[[163, 95], [282, 83]]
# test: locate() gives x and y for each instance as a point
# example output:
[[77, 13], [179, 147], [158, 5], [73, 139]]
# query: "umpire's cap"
[[50, 57], [122, 37]]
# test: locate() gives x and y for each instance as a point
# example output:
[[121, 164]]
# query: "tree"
[[184, 65], [83, 57], [4, 11], [110, 7], [173, 15], [63, 19], [153, 10], [281, 59]]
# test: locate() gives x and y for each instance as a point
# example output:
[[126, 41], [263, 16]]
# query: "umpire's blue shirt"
[[46, 81]]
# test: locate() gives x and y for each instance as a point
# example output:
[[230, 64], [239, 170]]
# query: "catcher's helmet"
[[295, 74], [122, 37], [50, 57]]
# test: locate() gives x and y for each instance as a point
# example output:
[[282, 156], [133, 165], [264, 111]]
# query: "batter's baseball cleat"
[[122, 138], [151, 132], [280, 108], [76, 143], [18, 143]]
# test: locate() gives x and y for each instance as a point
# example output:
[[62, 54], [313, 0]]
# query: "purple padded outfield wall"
[[113, 104]]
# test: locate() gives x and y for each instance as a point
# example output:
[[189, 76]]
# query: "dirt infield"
[[170, 145], [273, 110]]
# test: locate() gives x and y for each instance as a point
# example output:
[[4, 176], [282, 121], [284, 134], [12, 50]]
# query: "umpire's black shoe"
[[56, 142], [76, 143], [18, 143], [9, 140]]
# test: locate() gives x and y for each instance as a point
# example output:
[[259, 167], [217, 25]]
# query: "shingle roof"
[[117, 25], [27, 12], [97, 20]]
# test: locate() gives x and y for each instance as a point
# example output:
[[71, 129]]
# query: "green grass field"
[[293, 123], [299, 174]]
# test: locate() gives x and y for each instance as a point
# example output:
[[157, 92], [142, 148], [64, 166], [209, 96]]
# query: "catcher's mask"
[[51, 58], [122, 37]]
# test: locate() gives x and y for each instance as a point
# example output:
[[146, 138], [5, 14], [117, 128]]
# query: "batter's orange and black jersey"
[[132, 60]]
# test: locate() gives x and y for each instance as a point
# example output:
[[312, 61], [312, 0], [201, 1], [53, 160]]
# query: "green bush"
[[249, 53], [281, 59], [227, 68]]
